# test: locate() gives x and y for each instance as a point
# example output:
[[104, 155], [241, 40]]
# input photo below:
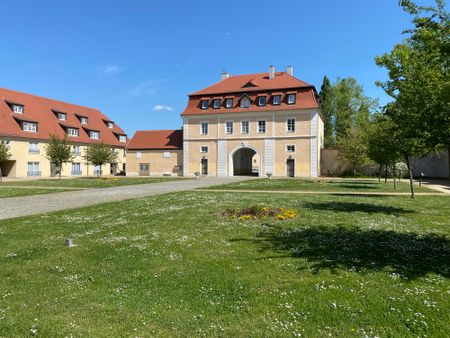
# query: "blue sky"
[[137, 60]]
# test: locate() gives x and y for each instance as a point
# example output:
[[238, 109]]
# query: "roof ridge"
[[154, 130], [47, 98]]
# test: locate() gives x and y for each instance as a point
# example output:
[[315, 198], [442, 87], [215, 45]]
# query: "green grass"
[[14, 192], [91, 182], [170, 266], [342, 185]]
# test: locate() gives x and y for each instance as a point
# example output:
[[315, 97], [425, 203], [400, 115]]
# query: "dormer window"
[[18, 109], [73, 132], [94, 134], [84, 120], [276, 100], [291, 99], [110, 125], [62, 116], [216, 104], [245, 102], [229, 103], [30, 127], [204, 104], [122, 138], [261, 101]]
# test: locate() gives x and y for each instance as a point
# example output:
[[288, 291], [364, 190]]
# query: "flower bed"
[[256, 212]]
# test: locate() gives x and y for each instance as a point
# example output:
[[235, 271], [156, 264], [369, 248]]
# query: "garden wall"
[[432, 165], [332, 165]]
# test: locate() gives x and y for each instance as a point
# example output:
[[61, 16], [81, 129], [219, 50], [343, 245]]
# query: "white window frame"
[[229, 131], [242, 127], [287, 148], [214, 103], [166, 154], [265, 127], [138, 154], [18, 109], [292, 96], [29, 127], [202, 129], [78, 171], [33, 147], [273, 100], [33, 165], [245, 98], [227, 101], [111, 125], [94, 134], [204, 149], [76, 150], [73, 132], [287, 124], [122, 138], [84, 120], [62, 116], [202, 104], [259, 101]]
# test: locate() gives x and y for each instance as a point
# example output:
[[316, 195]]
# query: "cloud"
[[109, 70], [147, 88], [159, 107]]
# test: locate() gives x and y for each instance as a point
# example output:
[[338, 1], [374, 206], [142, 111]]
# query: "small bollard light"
[[420, 179], [69, 242]]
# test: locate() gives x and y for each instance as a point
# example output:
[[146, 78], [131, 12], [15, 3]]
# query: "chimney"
[[290, 70], [271, 72], [224, 75]]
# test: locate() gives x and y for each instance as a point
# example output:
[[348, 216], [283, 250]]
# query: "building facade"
[[155, 153], [266, 124], [27, 122]]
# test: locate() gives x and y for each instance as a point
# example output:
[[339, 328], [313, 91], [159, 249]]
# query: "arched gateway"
[[245, 161]]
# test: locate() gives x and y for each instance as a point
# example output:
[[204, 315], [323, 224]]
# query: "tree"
[[326, 105], [353, 147], [5, 155], [419, 83], [99, 153], [59, 151]]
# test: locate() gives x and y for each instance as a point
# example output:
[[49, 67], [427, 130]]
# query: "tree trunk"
[[100, 172], [379, 172], [394, 173], [1, 174], [60, 169], [408, 164], [385, 173]]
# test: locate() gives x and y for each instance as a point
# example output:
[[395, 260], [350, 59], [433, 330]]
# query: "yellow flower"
[[279, 217], [244, 217]]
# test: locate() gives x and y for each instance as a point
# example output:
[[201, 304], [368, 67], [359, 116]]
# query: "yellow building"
[[257, 124], [27, 121]]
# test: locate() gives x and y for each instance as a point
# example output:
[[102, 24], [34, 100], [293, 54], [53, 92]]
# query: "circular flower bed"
[[256, 212]]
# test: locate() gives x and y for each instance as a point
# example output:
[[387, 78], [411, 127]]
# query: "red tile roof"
[[253, 85], [157, 139], [43, 111]]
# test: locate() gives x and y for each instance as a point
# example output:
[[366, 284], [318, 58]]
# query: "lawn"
[[91, 182], [342, 185], [171, 265], [14, 192]]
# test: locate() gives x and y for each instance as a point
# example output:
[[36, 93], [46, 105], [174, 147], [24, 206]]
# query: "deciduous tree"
[[59, 151], [5, 155], [99, 154]]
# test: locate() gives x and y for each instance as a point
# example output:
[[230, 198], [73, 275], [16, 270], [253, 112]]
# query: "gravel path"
[[38, 204]]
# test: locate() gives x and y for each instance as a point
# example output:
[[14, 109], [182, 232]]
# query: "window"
[[204, 149], [73, 132], [229, 103], [33, 169], [276, 100], [291, 99], [166, 154], [76, 150], [122, 138], [290, 148], [7, 143], [62, 116], [229, 127], [216, 104], [205, 104], [245, 102], [244, 126], [17, 109], [33, 148], [138, 154], [94, 134], [261, 101], [110, 125], [30, 127], [261, 126], [84, 120], [290, 125], [204, 128], [76, 168]]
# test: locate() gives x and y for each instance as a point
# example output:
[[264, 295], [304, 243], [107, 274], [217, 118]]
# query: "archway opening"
[[246, 162]]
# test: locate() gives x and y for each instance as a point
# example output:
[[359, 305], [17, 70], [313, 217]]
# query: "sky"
[[137, 60]]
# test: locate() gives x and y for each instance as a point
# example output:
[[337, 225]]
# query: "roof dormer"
[[16, 108]]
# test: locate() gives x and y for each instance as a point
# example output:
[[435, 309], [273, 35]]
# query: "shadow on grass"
[[359, 207], [408, 254]]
